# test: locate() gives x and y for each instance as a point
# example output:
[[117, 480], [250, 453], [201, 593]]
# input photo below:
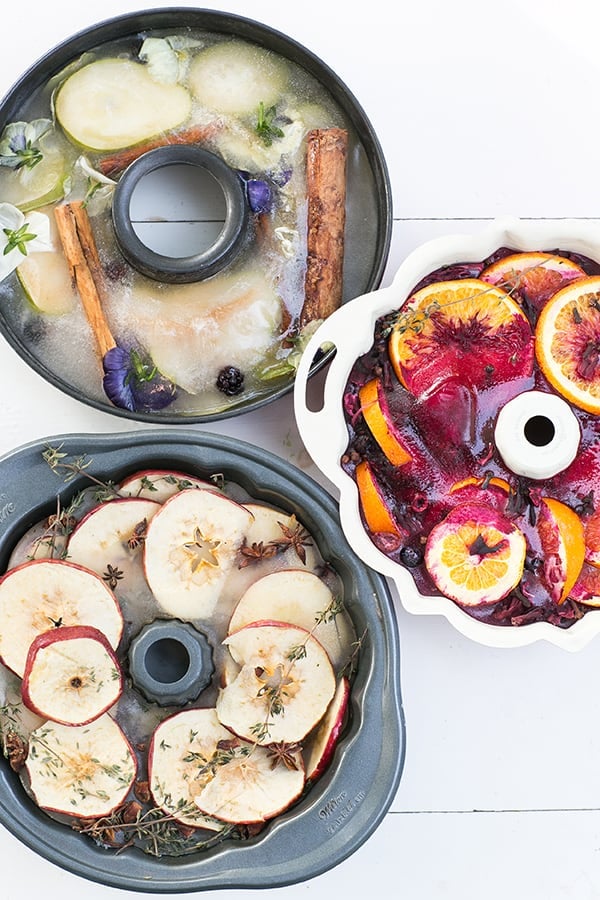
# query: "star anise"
[[296, 536], [112, 576], [284, 754], [252, 553], [138, 535]]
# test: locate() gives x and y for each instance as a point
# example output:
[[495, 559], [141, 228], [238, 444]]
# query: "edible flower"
[[167, 57], [19, 235], [19, 143], [258, 192], [132, 381], [97, 181]]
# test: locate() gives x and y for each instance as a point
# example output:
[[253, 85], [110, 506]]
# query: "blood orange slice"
[[475, 556], [562, 538], [592, 539], [465, 329], [567, 343], [532, 277], [586, 589]]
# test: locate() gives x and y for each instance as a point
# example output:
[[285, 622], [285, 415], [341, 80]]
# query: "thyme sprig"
[[71, 468], [53, 540]]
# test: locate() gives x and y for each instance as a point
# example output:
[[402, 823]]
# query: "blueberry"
[[411, 557]]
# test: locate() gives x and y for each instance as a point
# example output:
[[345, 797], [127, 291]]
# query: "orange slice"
[[567, 343], [586, 589], [375, 511], [532, 277], [376, 414], [464, 329], [475, 556], [563, 542]]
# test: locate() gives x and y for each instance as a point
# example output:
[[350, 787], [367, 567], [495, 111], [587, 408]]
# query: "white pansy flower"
[[19, 235], [167, 58]]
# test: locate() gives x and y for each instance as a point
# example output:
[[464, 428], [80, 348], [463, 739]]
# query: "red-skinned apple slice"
[[83, 771], [43, 594], [284, 686], [325, 740], [72, 675], [204, 776], [190, 547], [111, 535], [160, 484], [299, 598]]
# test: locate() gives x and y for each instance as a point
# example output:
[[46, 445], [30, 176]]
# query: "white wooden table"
[[482, 110]]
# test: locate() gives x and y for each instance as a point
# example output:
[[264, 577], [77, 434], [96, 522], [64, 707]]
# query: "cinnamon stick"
[[115, 163], [327, 151], [81, 253]]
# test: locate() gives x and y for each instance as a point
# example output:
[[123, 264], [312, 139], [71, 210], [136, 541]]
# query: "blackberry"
[[230, 381]]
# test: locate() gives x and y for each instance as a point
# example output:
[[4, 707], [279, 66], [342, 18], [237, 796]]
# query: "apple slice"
[[299, 598], [284, 686], [43, 594], [108, 540], [84, 771], [203, 776], [325, 740], [160, 484], [191, 546], [268, 527], [72, 675]]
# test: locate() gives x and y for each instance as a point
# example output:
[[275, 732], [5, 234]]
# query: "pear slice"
[[113, 103], [160, 484], [84, 771], [204, 776], [284, 686], [190, 548], [30, 188], [300, 598], [72, 675], [40, 595], [46, 277], [324, 742]]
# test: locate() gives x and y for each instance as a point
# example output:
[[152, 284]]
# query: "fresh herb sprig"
[[265, 125]]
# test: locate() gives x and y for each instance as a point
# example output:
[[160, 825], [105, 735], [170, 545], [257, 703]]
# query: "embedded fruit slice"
[[72, 675], [108, 540], [182, 757], [375, 510], [490, 491], [586, 589], [234, 77], [475, 556], [592, 539], [532, 277], [160, 484], [46, 278], [467, 330], [203, 776], [563, 541], [43, 594], [567, 343], [30, 188], [284, 687], [325, 740], [269, 527], [84, 771], [191, 545], [299, 598], [113, 103], [376, 414]]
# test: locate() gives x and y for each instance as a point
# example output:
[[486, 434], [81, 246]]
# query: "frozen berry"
[[230, 381], [411, 557]]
